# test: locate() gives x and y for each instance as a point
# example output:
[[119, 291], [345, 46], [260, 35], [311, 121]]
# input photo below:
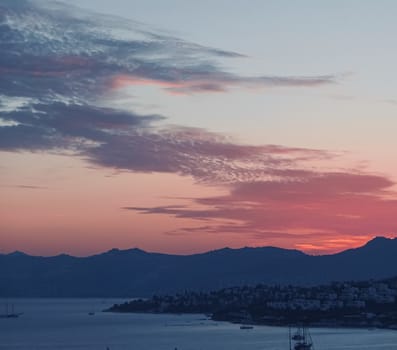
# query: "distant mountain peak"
[[113, 250], [379, 241], [116, 251], [17, 253]]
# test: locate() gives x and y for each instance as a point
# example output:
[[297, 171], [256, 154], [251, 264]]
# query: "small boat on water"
[[244, 326], [301, 339], [298, 335], [10, 313]]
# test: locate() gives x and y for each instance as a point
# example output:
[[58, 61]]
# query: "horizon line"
[[19, 252]]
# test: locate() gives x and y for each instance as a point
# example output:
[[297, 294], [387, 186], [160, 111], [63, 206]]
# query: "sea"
[[49, 324]]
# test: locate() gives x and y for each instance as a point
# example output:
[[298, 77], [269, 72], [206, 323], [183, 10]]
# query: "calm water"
[[65, 324]]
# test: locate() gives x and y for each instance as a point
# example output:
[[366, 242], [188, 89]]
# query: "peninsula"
[[339, 304]]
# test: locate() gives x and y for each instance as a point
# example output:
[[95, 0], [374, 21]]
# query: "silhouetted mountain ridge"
[[134, 272]]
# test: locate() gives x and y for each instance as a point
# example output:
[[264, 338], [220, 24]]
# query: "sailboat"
[[10, 313], [301, 339]]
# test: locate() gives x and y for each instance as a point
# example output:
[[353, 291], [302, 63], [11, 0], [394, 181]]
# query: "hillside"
[[133, 272]]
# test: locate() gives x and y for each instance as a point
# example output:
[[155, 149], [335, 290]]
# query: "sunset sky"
[[185, 126]]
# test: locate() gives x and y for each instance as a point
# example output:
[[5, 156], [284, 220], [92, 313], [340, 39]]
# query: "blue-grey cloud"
[[56, 52], [57, 63], [195, 152], [124, 140], [64, 126]]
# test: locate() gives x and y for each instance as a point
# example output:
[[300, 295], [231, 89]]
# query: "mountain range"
[[136, 273]]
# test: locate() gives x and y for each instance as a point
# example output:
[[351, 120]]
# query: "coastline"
[[332, 324], [355, 304]]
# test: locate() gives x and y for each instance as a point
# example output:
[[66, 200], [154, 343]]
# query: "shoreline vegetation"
[[365, 304]]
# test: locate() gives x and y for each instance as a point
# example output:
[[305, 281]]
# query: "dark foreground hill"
[[133, 272]]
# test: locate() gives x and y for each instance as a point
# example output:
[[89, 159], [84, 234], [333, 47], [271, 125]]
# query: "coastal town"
[[339, 304]]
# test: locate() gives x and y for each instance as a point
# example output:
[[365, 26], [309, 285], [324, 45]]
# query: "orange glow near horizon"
[[80, 212]]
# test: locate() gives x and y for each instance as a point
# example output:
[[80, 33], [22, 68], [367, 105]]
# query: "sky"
[[184, 126]]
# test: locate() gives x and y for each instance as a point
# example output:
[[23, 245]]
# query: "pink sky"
[[118, 134]]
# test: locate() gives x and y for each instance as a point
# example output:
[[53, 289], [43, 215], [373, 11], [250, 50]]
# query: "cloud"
[[206, 156], [125, 140], [331, 209], [205, 81], [28, 187], [52, 51], [59, 62], [64, 126]]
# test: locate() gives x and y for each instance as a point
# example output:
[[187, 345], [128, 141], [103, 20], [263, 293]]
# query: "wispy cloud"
[[26, 187], [185, 82], [124, 140], [53, 51], [316, 208]]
